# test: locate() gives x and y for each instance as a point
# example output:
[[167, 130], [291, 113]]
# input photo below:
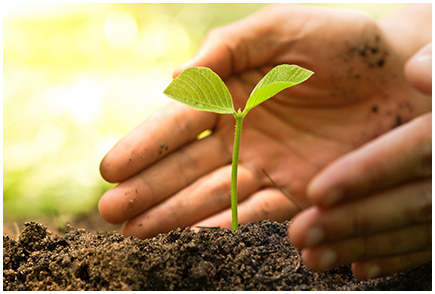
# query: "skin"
[[359, 92], [353, 219]]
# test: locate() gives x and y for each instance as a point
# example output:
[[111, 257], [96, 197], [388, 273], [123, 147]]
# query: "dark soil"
[[256, 257]]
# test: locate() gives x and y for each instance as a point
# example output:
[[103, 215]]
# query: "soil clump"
[[256, 257]]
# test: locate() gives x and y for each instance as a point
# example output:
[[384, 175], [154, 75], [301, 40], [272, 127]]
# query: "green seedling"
[[202, 89]]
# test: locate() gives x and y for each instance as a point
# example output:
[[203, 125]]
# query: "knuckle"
[[422, 208], [424, 146], [358, 222], [424, 167]]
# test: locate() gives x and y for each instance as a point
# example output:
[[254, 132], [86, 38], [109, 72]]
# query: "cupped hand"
[[168, 178], [373, 207]]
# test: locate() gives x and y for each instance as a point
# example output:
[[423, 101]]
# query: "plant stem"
[[239, 120]]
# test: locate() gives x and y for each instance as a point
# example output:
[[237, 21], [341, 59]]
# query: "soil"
[[256, 257]]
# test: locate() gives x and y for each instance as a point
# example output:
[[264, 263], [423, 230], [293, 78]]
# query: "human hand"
[[373, 206], [169, 179]]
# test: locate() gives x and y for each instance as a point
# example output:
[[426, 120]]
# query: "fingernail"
[[373, 272], [334, 197], [327, 259], [314, 236]]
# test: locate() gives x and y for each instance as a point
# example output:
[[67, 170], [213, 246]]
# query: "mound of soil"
[[256, 257]]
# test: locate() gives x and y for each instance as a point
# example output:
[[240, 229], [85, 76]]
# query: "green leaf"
[[201, 89], [279, 78]]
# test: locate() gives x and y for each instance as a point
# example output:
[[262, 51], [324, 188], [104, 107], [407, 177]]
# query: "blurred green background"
[[77, 77]]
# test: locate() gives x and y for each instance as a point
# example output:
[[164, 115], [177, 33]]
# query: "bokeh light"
[[120, 29]]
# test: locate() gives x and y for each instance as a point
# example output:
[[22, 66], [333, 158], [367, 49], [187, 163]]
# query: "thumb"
[[245, 44], [418, 69], [214, 52]]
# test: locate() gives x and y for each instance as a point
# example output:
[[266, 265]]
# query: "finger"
[[164, 178], [221, 49], [205, 197], [381, 267], [222, 219], [268, 203], [244, 44], [402, 154], [403, 206], [163, 132], [403, 241], [418, 69]]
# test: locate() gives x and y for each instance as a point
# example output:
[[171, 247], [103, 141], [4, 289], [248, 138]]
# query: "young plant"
[[202, 89]]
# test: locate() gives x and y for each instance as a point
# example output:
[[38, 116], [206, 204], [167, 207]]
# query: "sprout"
[[202, 89]]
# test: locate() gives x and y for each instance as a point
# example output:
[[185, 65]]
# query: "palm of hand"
[[292, 137]]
